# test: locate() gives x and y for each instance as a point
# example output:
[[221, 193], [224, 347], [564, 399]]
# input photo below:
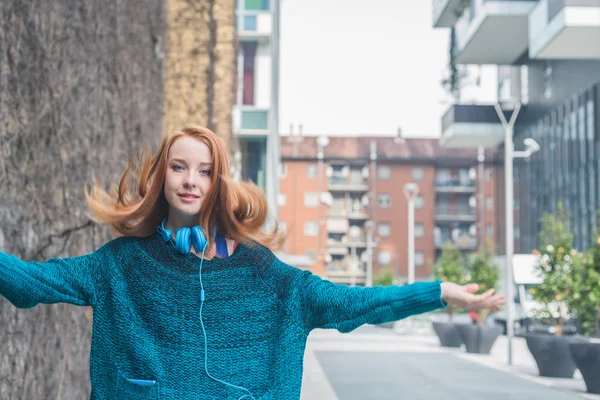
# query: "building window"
[[442, 175], [419, 229], [310, 228], [384, 258], [282, 170], [488, 174], [257, 5], [281, 199], [254, 162], [517, 232], [249, 51], [419, 201], [311, 199], [417, 173], [489, 231], [250, 22], [384, 229], [419, 259], [311, 171], [516, 204], [385, 200], [489, 203], [384, 172]]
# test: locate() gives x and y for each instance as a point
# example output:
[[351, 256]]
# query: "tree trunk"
[[80, 91]]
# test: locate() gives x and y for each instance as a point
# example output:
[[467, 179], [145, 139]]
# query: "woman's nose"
[[189, 181]]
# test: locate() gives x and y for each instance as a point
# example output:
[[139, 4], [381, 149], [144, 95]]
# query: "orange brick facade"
[[360, 193]]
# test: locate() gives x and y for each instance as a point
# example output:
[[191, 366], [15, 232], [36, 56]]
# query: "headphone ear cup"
[[198, 238], [182, 241]]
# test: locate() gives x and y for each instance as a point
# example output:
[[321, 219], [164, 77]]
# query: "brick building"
[[362, 203]]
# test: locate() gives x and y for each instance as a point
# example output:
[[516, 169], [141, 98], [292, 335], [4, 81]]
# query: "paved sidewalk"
[[375, 363]]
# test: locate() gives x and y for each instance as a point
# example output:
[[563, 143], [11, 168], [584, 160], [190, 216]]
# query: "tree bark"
[[81, 88]]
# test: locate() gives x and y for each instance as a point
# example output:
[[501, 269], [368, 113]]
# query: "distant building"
[[360, 180]]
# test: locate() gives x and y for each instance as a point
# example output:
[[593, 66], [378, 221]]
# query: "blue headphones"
[[184, 238]]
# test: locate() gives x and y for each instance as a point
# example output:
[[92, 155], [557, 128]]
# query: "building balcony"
[[344, 184], [348, 213], [250, 120], [455, 186], [255, 26], [446, 13], [333, 244], [464, 242], [565, 29], [345, 272], [472, 125], [493, 32], [458, 214]]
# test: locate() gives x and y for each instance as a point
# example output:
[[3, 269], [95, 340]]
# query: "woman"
[[190, 303]]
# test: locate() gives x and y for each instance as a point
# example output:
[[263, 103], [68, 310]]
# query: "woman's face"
[[188, 179]]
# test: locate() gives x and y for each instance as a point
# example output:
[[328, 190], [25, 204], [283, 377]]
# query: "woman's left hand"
[[464, 297]]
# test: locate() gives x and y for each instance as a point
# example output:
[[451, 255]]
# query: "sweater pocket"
[[136, 389]]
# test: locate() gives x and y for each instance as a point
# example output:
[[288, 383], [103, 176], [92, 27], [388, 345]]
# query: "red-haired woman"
[[190, 302]]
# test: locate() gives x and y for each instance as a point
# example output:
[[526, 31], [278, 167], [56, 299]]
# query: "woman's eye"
[[177, 168], [205, 172]]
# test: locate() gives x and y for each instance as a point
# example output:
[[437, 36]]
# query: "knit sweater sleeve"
[[59, 280], [319, 303]]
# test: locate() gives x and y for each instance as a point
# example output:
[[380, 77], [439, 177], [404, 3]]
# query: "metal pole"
[[481, 159], [273, 140], [372, 207], [509, 222], [369, 271], [411, 239], [320, 204]]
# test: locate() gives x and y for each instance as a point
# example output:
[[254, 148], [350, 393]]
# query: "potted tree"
[[480, 338], [585, 303], [449, 267], [556, 261]]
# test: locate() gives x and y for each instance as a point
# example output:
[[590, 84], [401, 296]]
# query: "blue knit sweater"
[[258, 313]]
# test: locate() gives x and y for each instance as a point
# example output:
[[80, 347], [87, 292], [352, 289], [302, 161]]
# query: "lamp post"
[[322, 142], [411, 190], [509, 155], [481, 160]]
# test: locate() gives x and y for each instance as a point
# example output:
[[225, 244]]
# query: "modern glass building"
[[548, 58]]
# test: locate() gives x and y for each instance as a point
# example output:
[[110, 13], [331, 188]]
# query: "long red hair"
[[239, 210]]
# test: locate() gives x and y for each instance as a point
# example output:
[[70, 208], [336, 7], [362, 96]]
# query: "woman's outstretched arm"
[[319, 303], [67, 280]]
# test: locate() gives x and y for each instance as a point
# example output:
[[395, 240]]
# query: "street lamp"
[[322, 142], [509, 154], [411, 190]]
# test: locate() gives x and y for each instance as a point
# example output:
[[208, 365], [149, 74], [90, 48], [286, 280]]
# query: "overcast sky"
[[351, 67]]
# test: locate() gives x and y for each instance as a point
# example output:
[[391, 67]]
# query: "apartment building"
[[548, 58], [344, 210], [255, 113]]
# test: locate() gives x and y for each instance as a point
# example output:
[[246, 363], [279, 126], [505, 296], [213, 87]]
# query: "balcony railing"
[[455, 185], [463, 213], [350, 183], [462, 242]]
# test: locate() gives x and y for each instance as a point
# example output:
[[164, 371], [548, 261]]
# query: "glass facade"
[[565, 170]]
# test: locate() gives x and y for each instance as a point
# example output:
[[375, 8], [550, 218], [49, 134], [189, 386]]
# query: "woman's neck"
[[174, 223]]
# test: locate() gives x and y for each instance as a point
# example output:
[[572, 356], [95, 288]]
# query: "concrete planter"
[[447, 333], [479, 339], [553, 355], [587, 359]]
